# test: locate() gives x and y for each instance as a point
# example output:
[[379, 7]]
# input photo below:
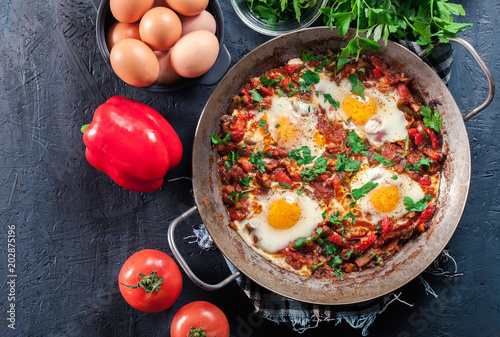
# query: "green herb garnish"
[[329, 99], [382, 160], [418, 206], [346, 164], [357, 144], [357, 87], [416, 166], [358, 193], [217, 140], [432, 118]]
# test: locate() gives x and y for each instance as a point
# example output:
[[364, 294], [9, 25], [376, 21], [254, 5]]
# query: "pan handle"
[[484, 68], [183, 263]]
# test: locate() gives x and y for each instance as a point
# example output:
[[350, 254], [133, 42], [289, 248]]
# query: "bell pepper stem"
[[84, 127]]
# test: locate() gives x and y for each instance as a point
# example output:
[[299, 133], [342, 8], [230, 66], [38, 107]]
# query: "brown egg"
[[119, 31], [195, 53], [134, 62], [160, 28], [129, 11], [204, 21], [167, 73], [188, 8]]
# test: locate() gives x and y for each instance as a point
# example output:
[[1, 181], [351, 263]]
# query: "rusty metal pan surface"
[[410, 261]]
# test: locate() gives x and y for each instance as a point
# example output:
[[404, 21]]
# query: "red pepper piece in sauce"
[[365, 243], [425, 181], [266, 91], [288, 252], [433, 137], [338, 239], [290, 68], [387, 225], [417, 137], [426, 215], [282, 177], [377, 73]]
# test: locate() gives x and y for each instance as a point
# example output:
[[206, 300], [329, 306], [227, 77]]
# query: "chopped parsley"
[[316, 266], [346, 164], [357, 144], [299, 243], [394, 177], [351, 253], [351, 216], [258, 162], [311, 173], [293, 91], [302, 155], [334, 219], [432, 118], [382, 160], [237, 195], [217, 140], [277, 126], [232, 158], [270, 81], [309, 78], [331, 100], [255, 95], [419, 206], [416, 166], [358, 193], [246, 181], [335, 260], [338, 272], [262, 123], [357, 87]]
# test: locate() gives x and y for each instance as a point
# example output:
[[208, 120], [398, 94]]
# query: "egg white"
[[388, 124], [270, 239], [383, 177]]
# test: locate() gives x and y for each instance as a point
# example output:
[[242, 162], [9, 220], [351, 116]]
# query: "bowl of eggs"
[[163, 45]]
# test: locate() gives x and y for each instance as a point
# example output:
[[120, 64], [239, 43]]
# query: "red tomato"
[[199, 315], [150, 281]]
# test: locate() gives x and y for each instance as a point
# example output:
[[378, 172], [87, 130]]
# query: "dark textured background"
[[75, 228]]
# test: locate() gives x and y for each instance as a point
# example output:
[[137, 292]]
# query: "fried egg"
[[284, 217], [386, 199], [292, 124], [375, 117]]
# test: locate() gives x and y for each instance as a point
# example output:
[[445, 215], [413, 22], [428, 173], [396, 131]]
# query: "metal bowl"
[[105, 19]]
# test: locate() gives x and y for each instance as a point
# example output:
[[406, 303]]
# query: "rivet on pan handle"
[[183, 263], [484, 68]]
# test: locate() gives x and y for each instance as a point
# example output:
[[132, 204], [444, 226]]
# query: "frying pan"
[[412, 259]]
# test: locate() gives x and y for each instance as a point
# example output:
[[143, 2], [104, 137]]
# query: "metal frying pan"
[[410, 261]]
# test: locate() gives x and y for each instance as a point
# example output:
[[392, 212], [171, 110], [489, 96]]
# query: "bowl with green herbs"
[[277, 17]]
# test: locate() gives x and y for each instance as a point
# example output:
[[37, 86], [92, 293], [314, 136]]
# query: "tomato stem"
[[149, 282], [196, 332]]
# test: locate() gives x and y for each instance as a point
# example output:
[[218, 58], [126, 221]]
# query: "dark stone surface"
[[74, 227]]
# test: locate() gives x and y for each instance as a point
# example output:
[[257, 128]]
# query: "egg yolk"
[[359, 110], [385, 198], [283, 214], [287, 132], [319, 139]]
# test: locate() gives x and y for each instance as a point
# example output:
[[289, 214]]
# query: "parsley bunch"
[[423, 21], [272, 11]]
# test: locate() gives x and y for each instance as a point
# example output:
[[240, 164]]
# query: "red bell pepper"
[[132, 143], [338, 239], [365, 243], [387, 225]]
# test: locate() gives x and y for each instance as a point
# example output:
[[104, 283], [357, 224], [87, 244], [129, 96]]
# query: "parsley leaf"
[[432, 119], [293, 91], [262, 123], [311, 173], [232, 158], [270, 81], [382, 160], [357, 144], [334, 220], [299, 243], [418, 206], [309, 78], [416, 166], [302, 155], [329, 248], [358, 193], [329, 99], [246, 181], [255, 95], [217, 140], [358, 88], [346, 164], [335, 260], [237, 195], [258, 162]]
